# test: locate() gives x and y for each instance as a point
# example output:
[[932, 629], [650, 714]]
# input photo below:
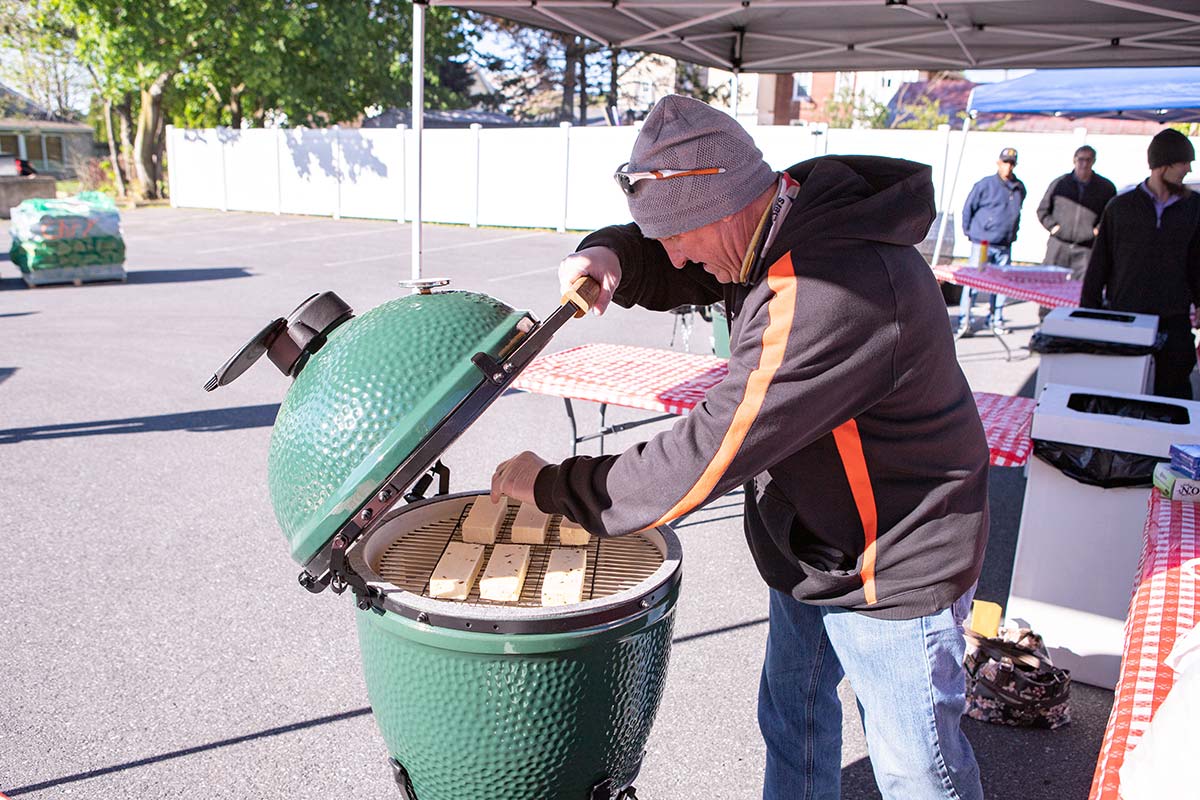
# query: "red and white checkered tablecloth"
[[1006, 422], [634, 377], [672, 382], [1163, 608], [1046, 293]]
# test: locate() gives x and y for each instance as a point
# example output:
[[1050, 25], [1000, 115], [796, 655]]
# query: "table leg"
[[603, 429], [574, 429]]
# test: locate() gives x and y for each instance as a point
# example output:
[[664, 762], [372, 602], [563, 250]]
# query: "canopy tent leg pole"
[[418, 124], [948, 200], [737, 91]]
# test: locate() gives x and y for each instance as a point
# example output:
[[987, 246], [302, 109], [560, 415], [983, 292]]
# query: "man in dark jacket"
[[845, 416], [1146, 258], [1071, 210], [992, 214]]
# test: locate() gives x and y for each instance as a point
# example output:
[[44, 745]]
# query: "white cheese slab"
[[456, 571], [530, 524], [505, 573], [484, 520], [563, 583], [572, 535]]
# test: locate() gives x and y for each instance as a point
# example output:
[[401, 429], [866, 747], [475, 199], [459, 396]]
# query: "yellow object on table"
[[985, 618]]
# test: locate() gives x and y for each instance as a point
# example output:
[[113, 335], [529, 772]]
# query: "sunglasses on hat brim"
[[626, 180]]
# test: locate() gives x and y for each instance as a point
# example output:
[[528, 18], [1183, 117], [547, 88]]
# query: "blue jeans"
[[909, 680], [997, 256]]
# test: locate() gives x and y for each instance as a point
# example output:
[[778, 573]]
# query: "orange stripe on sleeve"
[[849, 446], [781, 279]]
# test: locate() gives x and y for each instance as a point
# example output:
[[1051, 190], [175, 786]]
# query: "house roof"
[[19, 113], [12, 125]]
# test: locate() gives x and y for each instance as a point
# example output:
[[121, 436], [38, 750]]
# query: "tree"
[[923, 114], [309, 62], [548, 76], [845, 109]]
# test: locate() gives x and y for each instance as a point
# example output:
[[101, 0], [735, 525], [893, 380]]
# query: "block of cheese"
[[505, 573], [484, 520], [455, 573], [530, 525], [563, 582], [571, 534]]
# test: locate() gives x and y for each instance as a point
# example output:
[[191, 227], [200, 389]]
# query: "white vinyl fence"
[[561, 178]]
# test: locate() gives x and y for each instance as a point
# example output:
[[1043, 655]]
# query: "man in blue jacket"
[[992, 214]]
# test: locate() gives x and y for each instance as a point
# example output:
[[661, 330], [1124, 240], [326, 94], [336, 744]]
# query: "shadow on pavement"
[[18, 314], [1006, 496], [717, 631], [1007, 764], [187, 751], [6, 373], [1027, 388], [187, 275], [218, 419]]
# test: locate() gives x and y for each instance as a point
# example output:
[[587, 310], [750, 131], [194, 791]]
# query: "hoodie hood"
[[885, 200]]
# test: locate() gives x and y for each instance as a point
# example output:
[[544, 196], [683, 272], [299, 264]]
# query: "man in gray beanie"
[[844, 415], [1146, 258]]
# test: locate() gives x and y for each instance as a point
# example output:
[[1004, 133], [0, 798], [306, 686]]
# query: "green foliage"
[[848, 110], [993, 127], [690, 82], [924, 114], [306, 63]]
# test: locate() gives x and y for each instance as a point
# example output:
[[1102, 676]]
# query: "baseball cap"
[[1008, 154]]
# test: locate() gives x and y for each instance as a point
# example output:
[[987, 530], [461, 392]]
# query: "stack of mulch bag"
[[72, 240]]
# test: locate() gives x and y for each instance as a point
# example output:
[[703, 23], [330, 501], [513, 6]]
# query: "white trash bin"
[[1079, 545], [1114, 372]]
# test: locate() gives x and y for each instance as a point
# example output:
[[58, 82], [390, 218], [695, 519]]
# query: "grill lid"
[[376, 399]]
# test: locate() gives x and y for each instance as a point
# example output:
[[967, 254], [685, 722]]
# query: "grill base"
[[601, 791]]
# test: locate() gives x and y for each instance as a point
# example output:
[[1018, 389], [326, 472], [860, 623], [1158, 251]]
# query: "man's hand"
[[600, 263], [515, 477], [1055, 229]]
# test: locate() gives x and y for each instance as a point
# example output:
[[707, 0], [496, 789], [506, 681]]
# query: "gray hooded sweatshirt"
[[845, 413]]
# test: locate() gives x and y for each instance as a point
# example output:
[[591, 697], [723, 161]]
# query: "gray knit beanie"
[[682, 133], [1169, 146]]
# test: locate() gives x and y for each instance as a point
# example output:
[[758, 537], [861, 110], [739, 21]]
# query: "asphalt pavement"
[[154, 642]]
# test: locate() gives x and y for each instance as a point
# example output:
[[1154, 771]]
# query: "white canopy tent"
[[783, 36]]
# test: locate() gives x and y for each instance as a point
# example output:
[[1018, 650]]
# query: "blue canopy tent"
[[1158, 94]]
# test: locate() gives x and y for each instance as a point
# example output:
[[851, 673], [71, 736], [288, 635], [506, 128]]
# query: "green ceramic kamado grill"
[[476, 700]]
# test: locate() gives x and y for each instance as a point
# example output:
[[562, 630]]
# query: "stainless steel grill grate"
[[613, 564]]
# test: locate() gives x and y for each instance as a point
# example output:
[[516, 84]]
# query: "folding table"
[[672, 383]]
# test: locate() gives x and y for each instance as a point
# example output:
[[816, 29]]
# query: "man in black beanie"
[[1146, 258]]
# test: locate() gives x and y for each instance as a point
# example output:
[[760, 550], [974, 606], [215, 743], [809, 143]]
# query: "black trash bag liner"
[[1097, 466], [1044, 343], [1150, 410]]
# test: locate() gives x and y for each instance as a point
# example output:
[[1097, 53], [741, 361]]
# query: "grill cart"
[[476, 699]]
